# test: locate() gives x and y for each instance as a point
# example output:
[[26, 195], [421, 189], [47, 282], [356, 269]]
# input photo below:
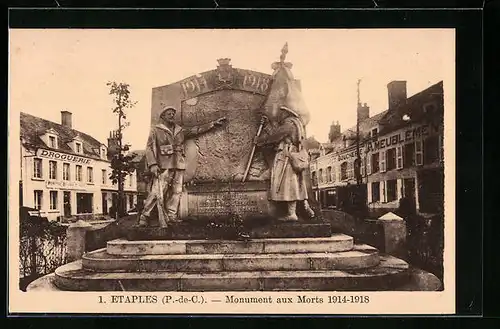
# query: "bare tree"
[[121, 163]]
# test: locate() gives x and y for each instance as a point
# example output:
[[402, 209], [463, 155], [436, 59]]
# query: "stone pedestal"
[[75, 244], [188, 231], [394, 228]]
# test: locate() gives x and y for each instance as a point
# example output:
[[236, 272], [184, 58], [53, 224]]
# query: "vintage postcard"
[[228, 171]]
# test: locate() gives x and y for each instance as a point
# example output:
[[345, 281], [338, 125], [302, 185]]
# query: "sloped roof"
[[414, 108], [33, 127]]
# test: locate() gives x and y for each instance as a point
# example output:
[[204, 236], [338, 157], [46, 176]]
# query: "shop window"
[[84, 203], [37, 168], [79, 173], [431, 150], [375, 163], [392, 190], [130, 202], [329, 173], [343, 171], [391, 158], [90, 175], [375, 191], [53, 200], [66, 172], [38, 199], [52, 170]]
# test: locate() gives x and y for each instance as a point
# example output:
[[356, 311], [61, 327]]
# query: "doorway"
[[105, 203], [67, 203]]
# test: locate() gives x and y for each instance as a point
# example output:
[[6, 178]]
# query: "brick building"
[[65, 173], [401, 153]]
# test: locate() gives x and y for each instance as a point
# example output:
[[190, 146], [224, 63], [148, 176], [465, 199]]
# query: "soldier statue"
[[166, 161]]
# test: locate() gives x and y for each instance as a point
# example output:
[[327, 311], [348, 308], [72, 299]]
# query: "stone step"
[[334, 243], [389, 274], [362, 256]]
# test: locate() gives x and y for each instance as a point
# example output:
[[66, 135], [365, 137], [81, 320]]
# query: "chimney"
[[363, 112], [397, 93], [66, 119], [334, 131], [113, 143]]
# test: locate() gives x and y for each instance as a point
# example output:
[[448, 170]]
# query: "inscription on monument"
[[228, 203]]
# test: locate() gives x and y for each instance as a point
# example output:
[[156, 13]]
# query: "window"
[[409, 155], [399, 157], [350, 170], [375, 191], [391, 159], [103, 153], [130, 181], [431, 150], [343, 171], [78, 173], [52, 170], [418, 153], [37, 168], [52, 142], [333, 174], [90, 175], [392, 190], [314, 178], [53, 200], [38, 199], [104, 177], [78, 147], [374, 132], [328, 174], [368, 164], [383, 157], [66, 173], [320, 176], [84, 202], [375, 163]]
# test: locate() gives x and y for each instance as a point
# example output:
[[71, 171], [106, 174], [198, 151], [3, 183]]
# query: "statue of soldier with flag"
[[288, 116]]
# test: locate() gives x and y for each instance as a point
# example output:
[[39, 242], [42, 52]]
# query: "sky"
[[67, 69]]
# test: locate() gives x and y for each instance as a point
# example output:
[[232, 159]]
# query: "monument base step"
[[186, 231], [335, 243], [362, 256], [388, 275]]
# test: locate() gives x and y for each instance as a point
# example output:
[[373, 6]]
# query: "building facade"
[[400, 152], [66, 173]]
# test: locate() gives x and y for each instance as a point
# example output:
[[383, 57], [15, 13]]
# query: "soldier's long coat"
[[293, 186]]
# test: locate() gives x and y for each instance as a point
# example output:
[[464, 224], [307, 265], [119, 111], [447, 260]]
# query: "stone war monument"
[[229, 206], [216, 144]]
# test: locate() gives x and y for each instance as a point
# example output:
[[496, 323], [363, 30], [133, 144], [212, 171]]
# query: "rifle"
[[159, 203], [253, 151]]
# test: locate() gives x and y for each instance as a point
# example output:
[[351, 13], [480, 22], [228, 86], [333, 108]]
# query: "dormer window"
[[50, 138], [103, 152], [52, 142], [78, 147], [374, 132]]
